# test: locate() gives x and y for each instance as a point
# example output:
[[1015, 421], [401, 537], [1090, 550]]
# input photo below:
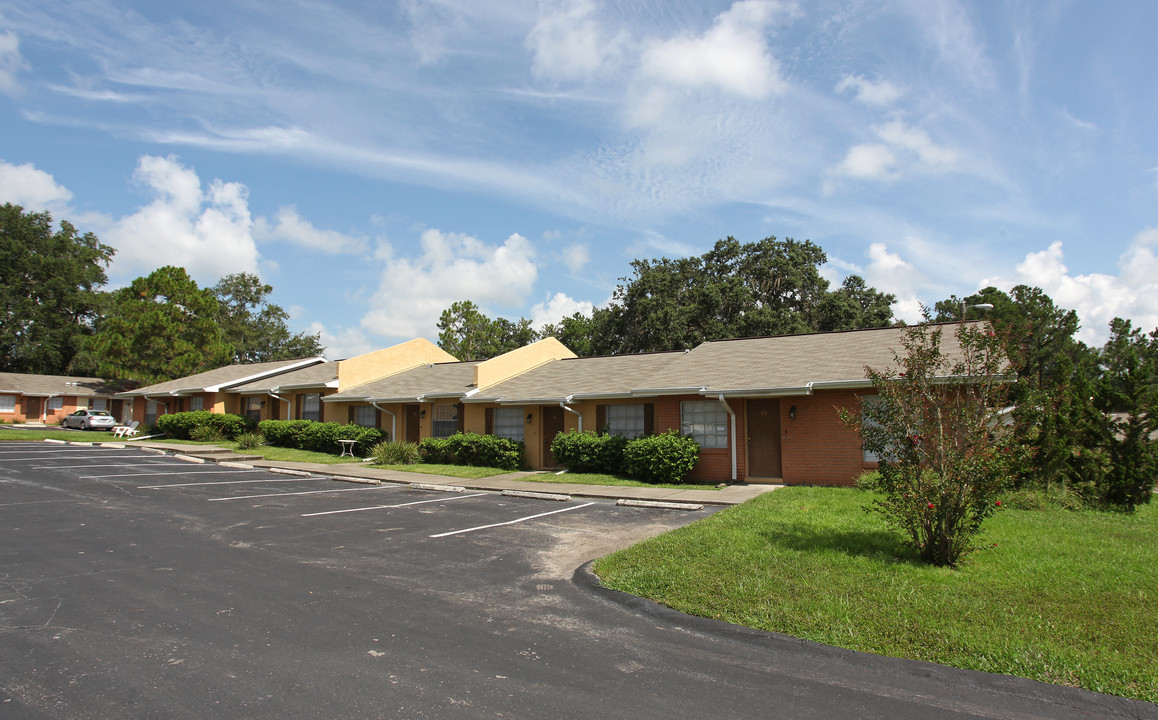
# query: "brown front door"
[[552, 426], [412, 430], [31, 409], [274, 409], [764, 438]]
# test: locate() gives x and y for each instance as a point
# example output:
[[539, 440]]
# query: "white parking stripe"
[[511, 522], [89, 465], [303, 492], [76, 454], [387, 507], [177, 472], [220, 482]]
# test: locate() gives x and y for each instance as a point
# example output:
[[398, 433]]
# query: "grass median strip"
[[1057, 596]]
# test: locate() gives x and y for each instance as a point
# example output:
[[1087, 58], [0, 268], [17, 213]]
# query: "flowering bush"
[[944, 456]]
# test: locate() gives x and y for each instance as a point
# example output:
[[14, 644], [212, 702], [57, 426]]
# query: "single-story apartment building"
[[48, 398], [764, 409]]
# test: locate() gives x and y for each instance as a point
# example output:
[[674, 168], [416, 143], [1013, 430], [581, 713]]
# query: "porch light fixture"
[[528, 418], [422, 413], [792, 413]]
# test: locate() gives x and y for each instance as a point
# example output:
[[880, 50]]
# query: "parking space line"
[[175, 472], [511, 522], [72, 454], [302, 492], [89, 465], [219, 482], [387, 507]]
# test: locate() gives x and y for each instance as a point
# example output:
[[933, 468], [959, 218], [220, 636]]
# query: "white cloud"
[[879, 93], [342, 342], [11, 62], [916, 140], [32, 189], [569, 43], [415, 290], [1096, 297], [208, 232], [558, 307], [905, 148], [871, 161], [890, 273], [293, 228], [732, 56], [576, 257]]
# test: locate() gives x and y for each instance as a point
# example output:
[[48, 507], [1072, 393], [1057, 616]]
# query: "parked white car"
[[89, 420]]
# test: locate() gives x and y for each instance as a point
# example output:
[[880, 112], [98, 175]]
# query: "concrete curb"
[[535, 495], [239, 465], [664, 505], [289, 471], [359, 480], [437, 488], [189, 458]]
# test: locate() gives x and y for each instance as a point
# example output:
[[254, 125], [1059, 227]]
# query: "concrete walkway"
[[359, 472]]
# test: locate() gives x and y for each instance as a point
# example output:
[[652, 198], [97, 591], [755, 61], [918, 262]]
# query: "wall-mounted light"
[[422, 413], [528, 417], [792, 413]]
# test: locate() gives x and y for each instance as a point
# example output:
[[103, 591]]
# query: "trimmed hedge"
[[319, 436], [665, 458], [181, 425], [473, 449], [395, 453], [588, 452]]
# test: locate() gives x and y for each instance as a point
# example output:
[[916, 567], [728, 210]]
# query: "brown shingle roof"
[[789, 362], [45, 385], [313, 376], [589, 376], [223, 377], [448, 380]]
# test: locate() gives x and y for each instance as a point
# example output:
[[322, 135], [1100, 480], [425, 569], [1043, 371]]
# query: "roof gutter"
[[732, 415]]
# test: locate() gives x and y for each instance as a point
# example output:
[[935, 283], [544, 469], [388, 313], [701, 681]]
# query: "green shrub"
[[246, 441], [587, 452], [206, 433], [473, 449], [319, 436], [181, 425], [395, 453], [665, 458]]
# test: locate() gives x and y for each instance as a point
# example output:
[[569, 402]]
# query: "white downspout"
[[393, 421], [563, 404], [732, 414]]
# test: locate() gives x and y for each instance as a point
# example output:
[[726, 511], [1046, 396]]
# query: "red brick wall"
[[715, 464], [816, 446]]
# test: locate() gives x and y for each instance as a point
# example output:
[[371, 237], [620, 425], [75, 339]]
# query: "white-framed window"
[[7, 403], [445, 420], [312, 406], [252, 408], [509, 423], [365, 416], [706, 421], [625, 420], [870, 456], [197, 402], [55, 403], [100, 404], [150, 412]]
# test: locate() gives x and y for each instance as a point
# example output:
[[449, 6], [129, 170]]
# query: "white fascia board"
[[760, 392], [580, 397], [427, 397], [306, 386], [841, 384], [267, 373], [657, 392], [530, 401], [339, 397]]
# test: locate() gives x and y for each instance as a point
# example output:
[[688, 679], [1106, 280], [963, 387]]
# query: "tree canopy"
[[158, 328], [769, 287], [256, 328], [468, 334], [49, 289]]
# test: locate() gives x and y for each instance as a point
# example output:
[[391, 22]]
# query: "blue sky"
[[375, 161]]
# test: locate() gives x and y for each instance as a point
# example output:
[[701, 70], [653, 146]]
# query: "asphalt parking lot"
[[141, 585]]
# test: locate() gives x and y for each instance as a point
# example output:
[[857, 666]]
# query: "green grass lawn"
[[11, 434], [1062, 597], [599, 479], [469, 472]]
